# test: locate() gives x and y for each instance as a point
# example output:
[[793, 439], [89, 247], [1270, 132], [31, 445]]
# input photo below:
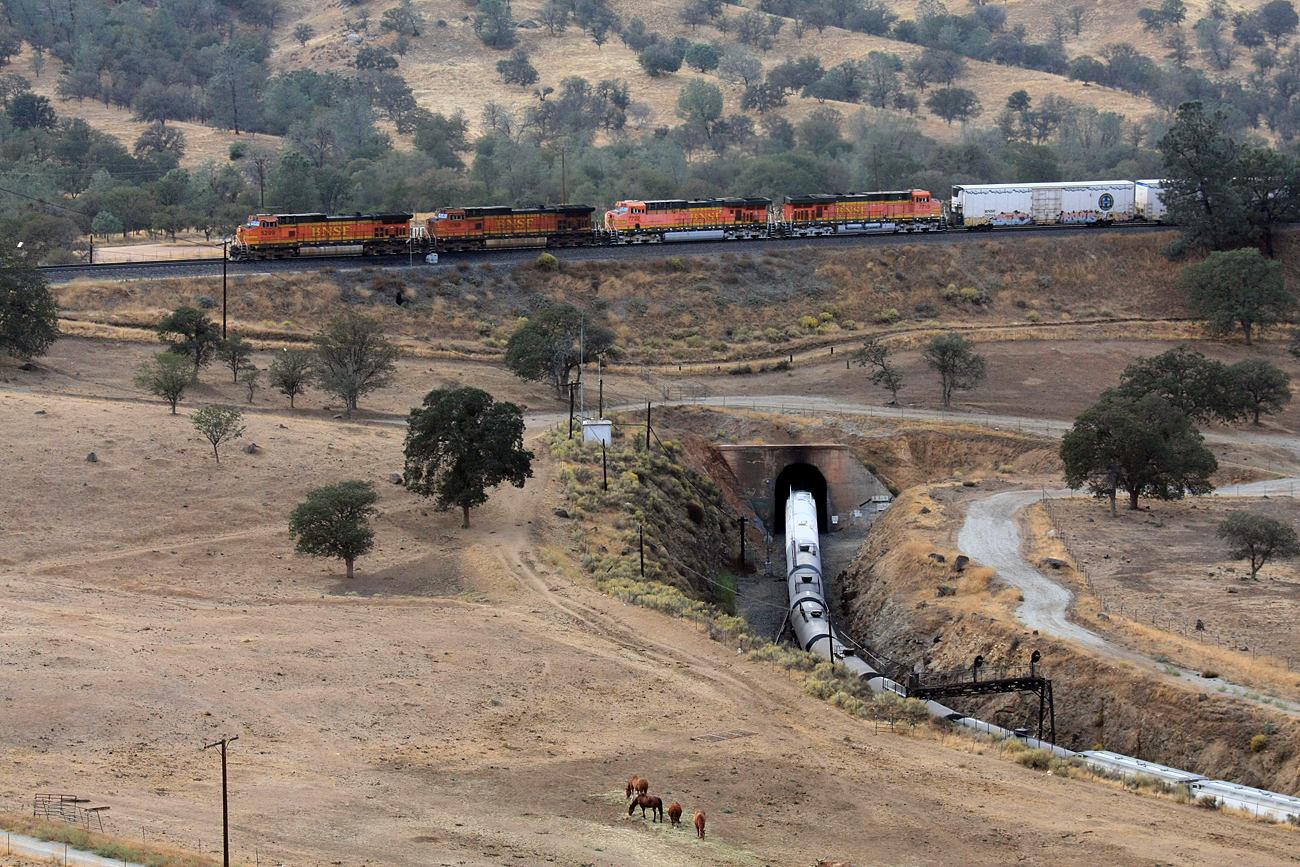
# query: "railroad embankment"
[[763, 301], [906, 592]]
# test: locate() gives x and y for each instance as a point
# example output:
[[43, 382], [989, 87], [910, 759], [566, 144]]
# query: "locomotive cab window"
[[807, 549]]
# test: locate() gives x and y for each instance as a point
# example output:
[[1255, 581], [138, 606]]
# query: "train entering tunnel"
[[800, 477]]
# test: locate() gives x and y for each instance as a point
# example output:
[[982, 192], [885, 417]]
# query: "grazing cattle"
[[699, 823], [640, 785], [675, 814], [655, 804]]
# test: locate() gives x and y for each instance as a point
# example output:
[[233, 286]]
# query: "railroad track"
[[177, 268]]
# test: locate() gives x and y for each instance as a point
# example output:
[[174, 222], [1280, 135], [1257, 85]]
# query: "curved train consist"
[[653, 221], [809, 617]]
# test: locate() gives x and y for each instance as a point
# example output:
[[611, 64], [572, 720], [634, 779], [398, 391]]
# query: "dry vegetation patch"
[[1164, 569]]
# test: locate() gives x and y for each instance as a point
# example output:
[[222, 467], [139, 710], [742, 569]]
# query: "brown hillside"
[[449, 68]]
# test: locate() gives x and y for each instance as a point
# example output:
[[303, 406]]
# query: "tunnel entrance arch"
[[803, 477]]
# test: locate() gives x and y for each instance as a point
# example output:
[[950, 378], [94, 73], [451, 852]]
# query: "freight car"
[[279, 236], [478, 228], [987, 206], [1149, 200]]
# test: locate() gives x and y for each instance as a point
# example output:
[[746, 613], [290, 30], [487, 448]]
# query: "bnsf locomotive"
[[639, 221], [279, 236]]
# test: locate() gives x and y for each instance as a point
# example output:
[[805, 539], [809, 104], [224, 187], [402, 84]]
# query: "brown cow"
[[699, 823], [640, 785], [675, 814], [655, 804]]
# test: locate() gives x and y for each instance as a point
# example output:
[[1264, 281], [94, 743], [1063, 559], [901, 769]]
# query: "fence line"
[[1172, 624]]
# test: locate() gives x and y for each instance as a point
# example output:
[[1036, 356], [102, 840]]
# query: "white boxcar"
[[1127, 766], [1148, 197], [1256, 802], [1054, 204]]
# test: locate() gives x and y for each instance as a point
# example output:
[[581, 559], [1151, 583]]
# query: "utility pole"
[[225, 803], [647, 425], [604, 468], [225, 244], [742, 543], [571, 385]]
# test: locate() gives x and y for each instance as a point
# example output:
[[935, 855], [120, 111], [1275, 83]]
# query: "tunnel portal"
[[802, 477]]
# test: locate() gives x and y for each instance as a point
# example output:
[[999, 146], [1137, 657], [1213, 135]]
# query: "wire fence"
[[1150, 612]]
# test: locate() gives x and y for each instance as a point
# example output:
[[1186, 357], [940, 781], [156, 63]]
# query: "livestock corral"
[[651, 221]]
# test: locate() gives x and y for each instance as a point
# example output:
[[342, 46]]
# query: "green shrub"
[[238, 150], [1259, 743], [205, 302], [772, 335], [547, 262], [886, 317], [1043, 281], [1033, 316], [969, 293], [676, 264], [1039, 760], [808, 323]]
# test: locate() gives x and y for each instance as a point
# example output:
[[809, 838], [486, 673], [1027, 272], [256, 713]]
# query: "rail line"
[[521, 255]]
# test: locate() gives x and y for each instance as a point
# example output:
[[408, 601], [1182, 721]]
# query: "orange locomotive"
[[478, 228], [823, 214], [278, 236], [642, 222]]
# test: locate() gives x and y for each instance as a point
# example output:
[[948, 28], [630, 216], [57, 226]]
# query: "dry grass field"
[[467, 700], [470, 698]]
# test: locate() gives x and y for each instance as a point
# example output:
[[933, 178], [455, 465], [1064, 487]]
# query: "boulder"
[[395, 478], [92, 458], [561, 513], [250, 449]]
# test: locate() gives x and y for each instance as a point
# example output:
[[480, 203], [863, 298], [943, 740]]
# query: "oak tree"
[[29, 315], [334, 521], [875, 354], [290, 372], [219, 424], [1143, 445], [1258, 538], [550, 345], [462, 443], [1264, 387], [353, 358], [189, 333], [959, 367], [1240, 287], [166, 375]]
